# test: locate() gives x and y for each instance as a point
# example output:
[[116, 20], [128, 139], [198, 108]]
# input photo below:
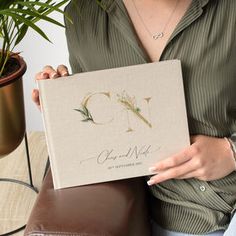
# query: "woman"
[[194, 190]]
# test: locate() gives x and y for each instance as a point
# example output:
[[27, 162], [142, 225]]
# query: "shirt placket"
[[211, 198]]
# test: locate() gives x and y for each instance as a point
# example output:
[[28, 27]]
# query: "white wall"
[[37, 53]]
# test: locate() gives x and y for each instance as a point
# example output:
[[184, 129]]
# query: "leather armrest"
[[117, 208]]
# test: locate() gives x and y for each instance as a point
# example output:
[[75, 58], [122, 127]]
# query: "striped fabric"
[[205, 41]]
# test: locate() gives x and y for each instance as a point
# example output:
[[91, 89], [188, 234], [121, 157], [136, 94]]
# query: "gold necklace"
[[160, 34]]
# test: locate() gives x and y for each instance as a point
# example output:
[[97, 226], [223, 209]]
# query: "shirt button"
[[202, 188]]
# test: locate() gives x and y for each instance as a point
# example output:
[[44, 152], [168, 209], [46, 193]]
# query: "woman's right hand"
[[48, 72]]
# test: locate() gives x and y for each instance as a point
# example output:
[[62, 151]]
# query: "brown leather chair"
[[117, 208]]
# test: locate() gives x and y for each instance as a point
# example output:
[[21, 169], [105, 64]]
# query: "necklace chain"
[[159, 34]]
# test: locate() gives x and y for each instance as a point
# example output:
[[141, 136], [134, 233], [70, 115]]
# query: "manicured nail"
[[44, 75], [152, 169], [54, 75], [150, 182], [65, 73]]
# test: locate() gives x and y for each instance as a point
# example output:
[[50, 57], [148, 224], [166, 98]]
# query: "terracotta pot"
[[12, 114]]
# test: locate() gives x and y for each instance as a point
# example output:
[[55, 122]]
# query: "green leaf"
[[5, 34], [86, 120], [4, 4], [35, 14], [86, 110], [48, 7], [26, 22], [82, 112], [44, 6], [90, 116], [16, 16], [22, 32]]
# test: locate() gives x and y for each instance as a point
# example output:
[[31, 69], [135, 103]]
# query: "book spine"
[[49, 141]]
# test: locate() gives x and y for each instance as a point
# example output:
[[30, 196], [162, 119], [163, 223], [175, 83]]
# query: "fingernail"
[[54, 75], [44, 74], [64, 73], [152, 169], [150, 182]]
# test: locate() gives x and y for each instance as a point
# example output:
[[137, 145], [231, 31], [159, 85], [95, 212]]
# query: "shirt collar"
[[105, 4], [204, 2]]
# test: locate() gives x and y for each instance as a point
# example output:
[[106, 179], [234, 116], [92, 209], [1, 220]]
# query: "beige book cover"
[[113, 124]]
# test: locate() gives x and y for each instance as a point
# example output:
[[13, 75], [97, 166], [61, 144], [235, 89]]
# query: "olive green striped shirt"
[[102, 36]]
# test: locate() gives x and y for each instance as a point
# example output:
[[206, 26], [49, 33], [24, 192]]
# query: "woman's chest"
[[154, 22]]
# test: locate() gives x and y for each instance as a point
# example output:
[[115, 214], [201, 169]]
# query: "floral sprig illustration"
[[130, 105], [84, 111], [85, 114]]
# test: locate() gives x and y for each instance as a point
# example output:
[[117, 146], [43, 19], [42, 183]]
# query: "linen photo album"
[[113, 124]]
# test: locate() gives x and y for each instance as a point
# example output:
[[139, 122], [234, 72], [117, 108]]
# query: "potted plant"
[[16, 17]]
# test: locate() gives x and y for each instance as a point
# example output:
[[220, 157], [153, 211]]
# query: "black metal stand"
[[28, 185]]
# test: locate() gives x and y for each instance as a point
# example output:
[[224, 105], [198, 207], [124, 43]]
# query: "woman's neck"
[[155, 21]]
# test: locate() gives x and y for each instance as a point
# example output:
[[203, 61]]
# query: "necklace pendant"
[[158, 35]]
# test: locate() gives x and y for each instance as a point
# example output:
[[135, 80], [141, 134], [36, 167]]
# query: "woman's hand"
[[48, 72], [207, 158]]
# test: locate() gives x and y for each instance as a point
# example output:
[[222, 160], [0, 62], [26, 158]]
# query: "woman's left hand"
[[207, 158]]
